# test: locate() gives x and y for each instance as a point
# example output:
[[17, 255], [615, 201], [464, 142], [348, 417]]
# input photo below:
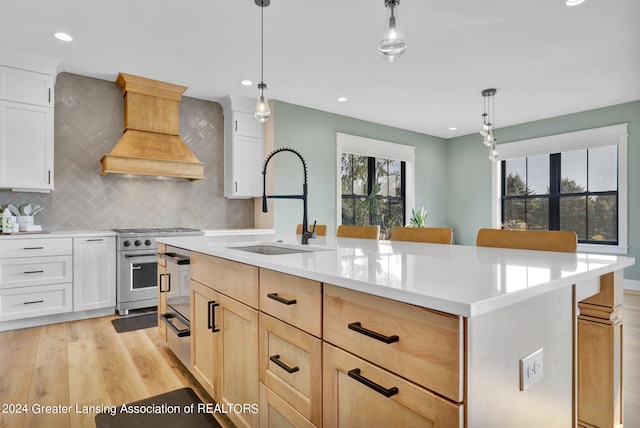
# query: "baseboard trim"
[[631, 284]]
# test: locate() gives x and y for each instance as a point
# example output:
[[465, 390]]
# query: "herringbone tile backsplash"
[[89, 118]]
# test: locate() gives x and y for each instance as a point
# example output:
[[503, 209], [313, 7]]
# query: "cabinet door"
[[248, 158], [245, 124], [26, 87], [94, 273], [203, 334], [26, 141], [359, 394], [236, 354]]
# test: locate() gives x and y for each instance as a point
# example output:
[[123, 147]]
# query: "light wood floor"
[[88, 363], [85, 363]]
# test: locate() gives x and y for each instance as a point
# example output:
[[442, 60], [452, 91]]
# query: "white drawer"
[[35, 247], [18, 303], [35, 271]]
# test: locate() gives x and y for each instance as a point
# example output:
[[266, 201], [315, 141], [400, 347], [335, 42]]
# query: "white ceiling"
[[544, 58]]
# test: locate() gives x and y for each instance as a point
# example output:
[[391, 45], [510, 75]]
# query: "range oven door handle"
[[179, 332], [131, 256]]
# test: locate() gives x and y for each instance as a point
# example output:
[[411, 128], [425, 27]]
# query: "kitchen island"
[[461, 330]]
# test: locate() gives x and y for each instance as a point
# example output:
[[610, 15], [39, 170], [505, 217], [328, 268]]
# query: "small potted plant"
[[418, 218]]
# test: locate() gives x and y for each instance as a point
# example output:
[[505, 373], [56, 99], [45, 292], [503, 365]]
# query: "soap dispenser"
[[6, 221]]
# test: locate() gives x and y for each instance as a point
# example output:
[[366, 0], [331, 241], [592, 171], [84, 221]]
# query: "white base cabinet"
[[94, 273], [50, 278]]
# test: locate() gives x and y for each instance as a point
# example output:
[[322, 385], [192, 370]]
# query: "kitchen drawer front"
[[295, 350], [236, 280], [35, 271], [279, 290], [276, 413], [18, 303], [430, 345], [349, 402], [38, 247]]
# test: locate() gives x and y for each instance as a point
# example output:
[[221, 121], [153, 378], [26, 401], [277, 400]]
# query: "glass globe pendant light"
[[262, 112], [392, 44], [488, 137]]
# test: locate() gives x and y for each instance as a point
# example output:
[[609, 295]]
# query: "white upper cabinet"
[[243, 150], [26, 121], [26, 87]]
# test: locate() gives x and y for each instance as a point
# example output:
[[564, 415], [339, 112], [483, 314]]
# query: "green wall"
[[469, 170], [313, 134]]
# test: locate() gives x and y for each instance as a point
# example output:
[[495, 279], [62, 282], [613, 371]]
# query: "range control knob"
[[147, 242], [127, 243], [137, 243]]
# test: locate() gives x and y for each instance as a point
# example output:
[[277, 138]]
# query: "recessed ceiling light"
[[453, 128], [63, 36], [573, 2], [246, 82], [342, 99]]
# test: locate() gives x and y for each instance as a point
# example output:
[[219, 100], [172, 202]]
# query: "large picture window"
[[372, 191], [376, 181], [573, 181], [575, 190]]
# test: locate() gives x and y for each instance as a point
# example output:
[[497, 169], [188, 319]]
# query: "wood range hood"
[[151, 144]]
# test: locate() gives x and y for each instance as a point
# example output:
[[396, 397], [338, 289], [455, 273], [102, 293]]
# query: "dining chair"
[[366, 232], [542, 240], [321, 229], [433, 235]]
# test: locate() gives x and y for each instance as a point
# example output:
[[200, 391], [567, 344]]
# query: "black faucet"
[[306, 234]]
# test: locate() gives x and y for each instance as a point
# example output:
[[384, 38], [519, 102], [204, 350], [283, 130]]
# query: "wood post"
[[599, 347]]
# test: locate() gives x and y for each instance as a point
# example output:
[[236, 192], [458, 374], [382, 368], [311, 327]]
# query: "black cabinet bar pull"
[[356, 326], [211, 315], [95, 240], [162, 275], [35, 301], [275, 296], [34, 271], [276, 359], [355, 374], [33, 248]]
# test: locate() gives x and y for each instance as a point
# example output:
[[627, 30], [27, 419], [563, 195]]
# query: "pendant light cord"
[[262, 43]]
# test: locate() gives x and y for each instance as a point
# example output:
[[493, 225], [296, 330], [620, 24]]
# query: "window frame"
[[585, 139], [369, 147]]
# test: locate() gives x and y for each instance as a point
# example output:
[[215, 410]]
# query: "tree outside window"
[[574, 190], [372, 191]]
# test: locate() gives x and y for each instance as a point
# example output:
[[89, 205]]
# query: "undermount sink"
[[270, 249]]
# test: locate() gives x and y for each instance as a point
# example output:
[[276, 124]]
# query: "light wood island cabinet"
[[388, 363], [224, 329], [290, 350], [316, 345]]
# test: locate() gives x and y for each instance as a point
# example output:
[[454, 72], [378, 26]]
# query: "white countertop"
[[62, 234], [457, 279]]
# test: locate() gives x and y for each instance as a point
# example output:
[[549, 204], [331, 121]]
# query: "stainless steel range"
[[137, 282]]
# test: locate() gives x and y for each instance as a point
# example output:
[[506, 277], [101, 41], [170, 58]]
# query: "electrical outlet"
[[531, 369]]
